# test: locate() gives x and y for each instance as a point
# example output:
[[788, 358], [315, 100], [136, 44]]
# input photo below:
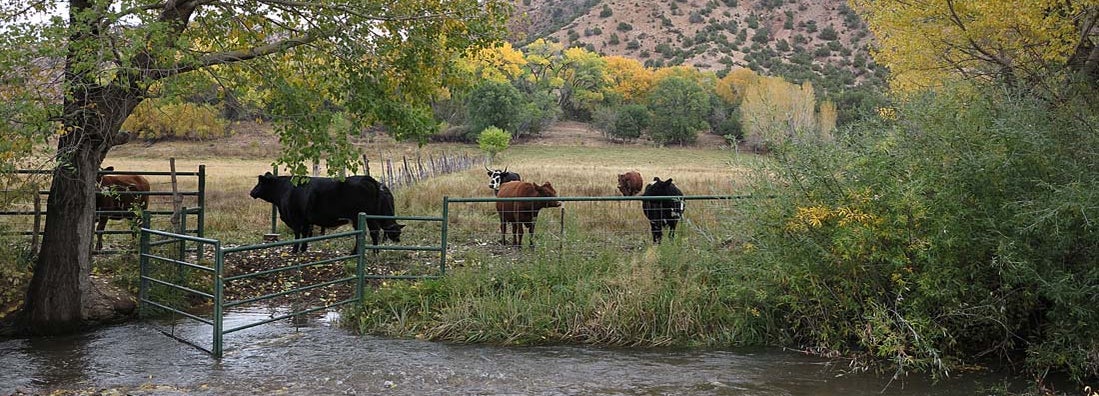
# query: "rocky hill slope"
[[823, 41]]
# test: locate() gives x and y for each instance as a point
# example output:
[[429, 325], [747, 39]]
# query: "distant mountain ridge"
[[823, 41]]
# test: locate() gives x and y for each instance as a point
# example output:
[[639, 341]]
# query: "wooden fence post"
[[37, 219], [177, 200]]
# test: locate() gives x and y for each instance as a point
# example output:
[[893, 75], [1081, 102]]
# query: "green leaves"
[[679, 106]]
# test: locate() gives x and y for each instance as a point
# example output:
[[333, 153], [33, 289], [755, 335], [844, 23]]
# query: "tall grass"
[[672, 294]]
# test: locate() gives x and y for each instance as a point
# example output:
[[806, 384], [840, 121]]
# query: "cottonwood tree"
[[80, 67], [925, 43], [679, 106], [773, 111]]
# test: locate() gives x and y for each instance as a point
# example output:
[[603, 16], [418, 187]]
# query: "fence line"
[[448, 244], [409, 171], [38, 209]]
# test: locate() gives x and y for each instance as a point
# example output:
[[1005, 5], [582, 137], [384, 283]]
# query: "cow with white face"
[[496, 177]]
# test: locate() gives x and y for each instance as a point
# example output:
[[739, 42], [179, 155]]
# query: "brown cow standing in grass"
[[630, 183], [111, 196], [522, 213]]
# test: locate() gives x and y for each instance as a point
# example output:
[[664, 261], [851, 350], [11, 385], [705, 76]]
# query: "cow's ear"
[[268, 174], [669, 181], [656, 180], [108, 169], [547, 185]]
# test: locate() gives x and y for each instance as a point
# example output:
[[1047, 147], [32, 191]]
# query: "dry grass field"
[[577, 160]]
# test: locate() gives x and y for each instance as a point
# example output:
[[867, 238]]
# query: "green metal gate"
[[204, 277]]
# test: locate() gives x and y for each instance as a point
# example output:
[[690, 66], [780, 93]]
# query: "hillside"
[[822, 41]]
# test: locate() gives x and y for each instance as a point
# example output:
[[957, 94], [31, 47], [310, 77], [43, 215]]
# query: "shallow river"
[[322, 358]]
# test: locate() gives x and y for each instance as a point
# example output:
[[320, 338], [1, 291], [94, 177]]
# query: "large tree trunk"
[[57, 300], [54, 301]]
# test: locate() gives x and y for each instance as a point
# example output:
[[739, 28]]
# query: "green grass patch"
[[667, 295]]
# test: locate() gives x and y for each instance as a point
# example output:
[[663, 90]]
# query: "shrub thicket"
[[959, 225], [493, 103], [156, 119]]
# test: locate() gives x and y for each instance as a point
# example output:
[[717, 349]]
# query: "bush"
[[679, 106], [16, 268], [538, 111], [493, 140], [631, 121], [606, 12], [158, 119], [493, 103], [953, 227]]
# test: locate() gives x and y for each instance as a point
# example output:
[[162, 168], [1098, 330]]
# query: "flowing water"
[[322, 358]]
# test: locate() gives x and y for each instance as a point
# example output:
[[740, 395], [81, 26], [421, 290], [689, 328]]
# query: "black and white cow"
[[327, 203], [496, 177], [662, 213]]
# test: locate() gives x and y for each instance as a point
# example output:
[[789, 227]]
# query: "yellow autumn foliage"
[[154, 119], [927, 43], [629, 79]]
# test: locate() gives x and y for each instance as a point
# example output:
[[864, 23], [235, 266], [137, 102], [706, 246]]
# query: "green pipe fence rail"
[[602, 220], [197, 210], [168, 265], [214, 281]]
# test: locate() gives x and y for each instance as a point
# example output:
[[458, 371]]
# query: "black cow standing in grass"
[[662, 213], [327, 203], [497, 177]]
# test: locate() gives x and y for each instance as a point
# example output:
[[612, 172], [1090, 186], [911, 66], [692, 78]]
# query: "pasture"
[[577, 169], [574, 171]]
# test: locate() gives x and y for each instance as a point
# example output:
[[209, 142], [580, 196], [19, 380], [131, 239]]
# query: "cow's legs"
[[658, 233], [375, 231], [99, 226], [517, 233], [503, 232], [671, 228], [530, 230]]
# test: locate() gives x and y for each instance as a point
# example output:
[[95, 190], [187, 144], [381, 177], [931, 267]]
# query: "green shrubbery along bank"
[[956, 227]]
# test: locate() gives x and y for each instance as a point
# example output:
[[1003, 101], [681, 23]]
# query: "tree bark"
[[54, 302]]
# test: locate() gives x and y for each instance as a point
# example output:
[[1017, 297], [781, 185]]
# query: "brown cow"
[[112, 196], [522, 213], [629, 183]]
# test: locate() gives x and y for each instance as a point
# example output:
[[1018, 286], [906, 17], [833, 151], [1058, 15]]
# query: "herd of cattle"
[[329, 203]]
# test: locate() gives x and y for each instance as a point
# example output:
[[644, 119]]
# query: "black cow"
[[496, 177], [327, 203], [662, 213], [386, 207]]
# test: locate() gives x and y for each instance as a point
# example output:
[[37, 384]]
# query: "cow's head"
[[99, 175], [629, 183], [547, 190], [393, 232], [496, 177], [266, 187]]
